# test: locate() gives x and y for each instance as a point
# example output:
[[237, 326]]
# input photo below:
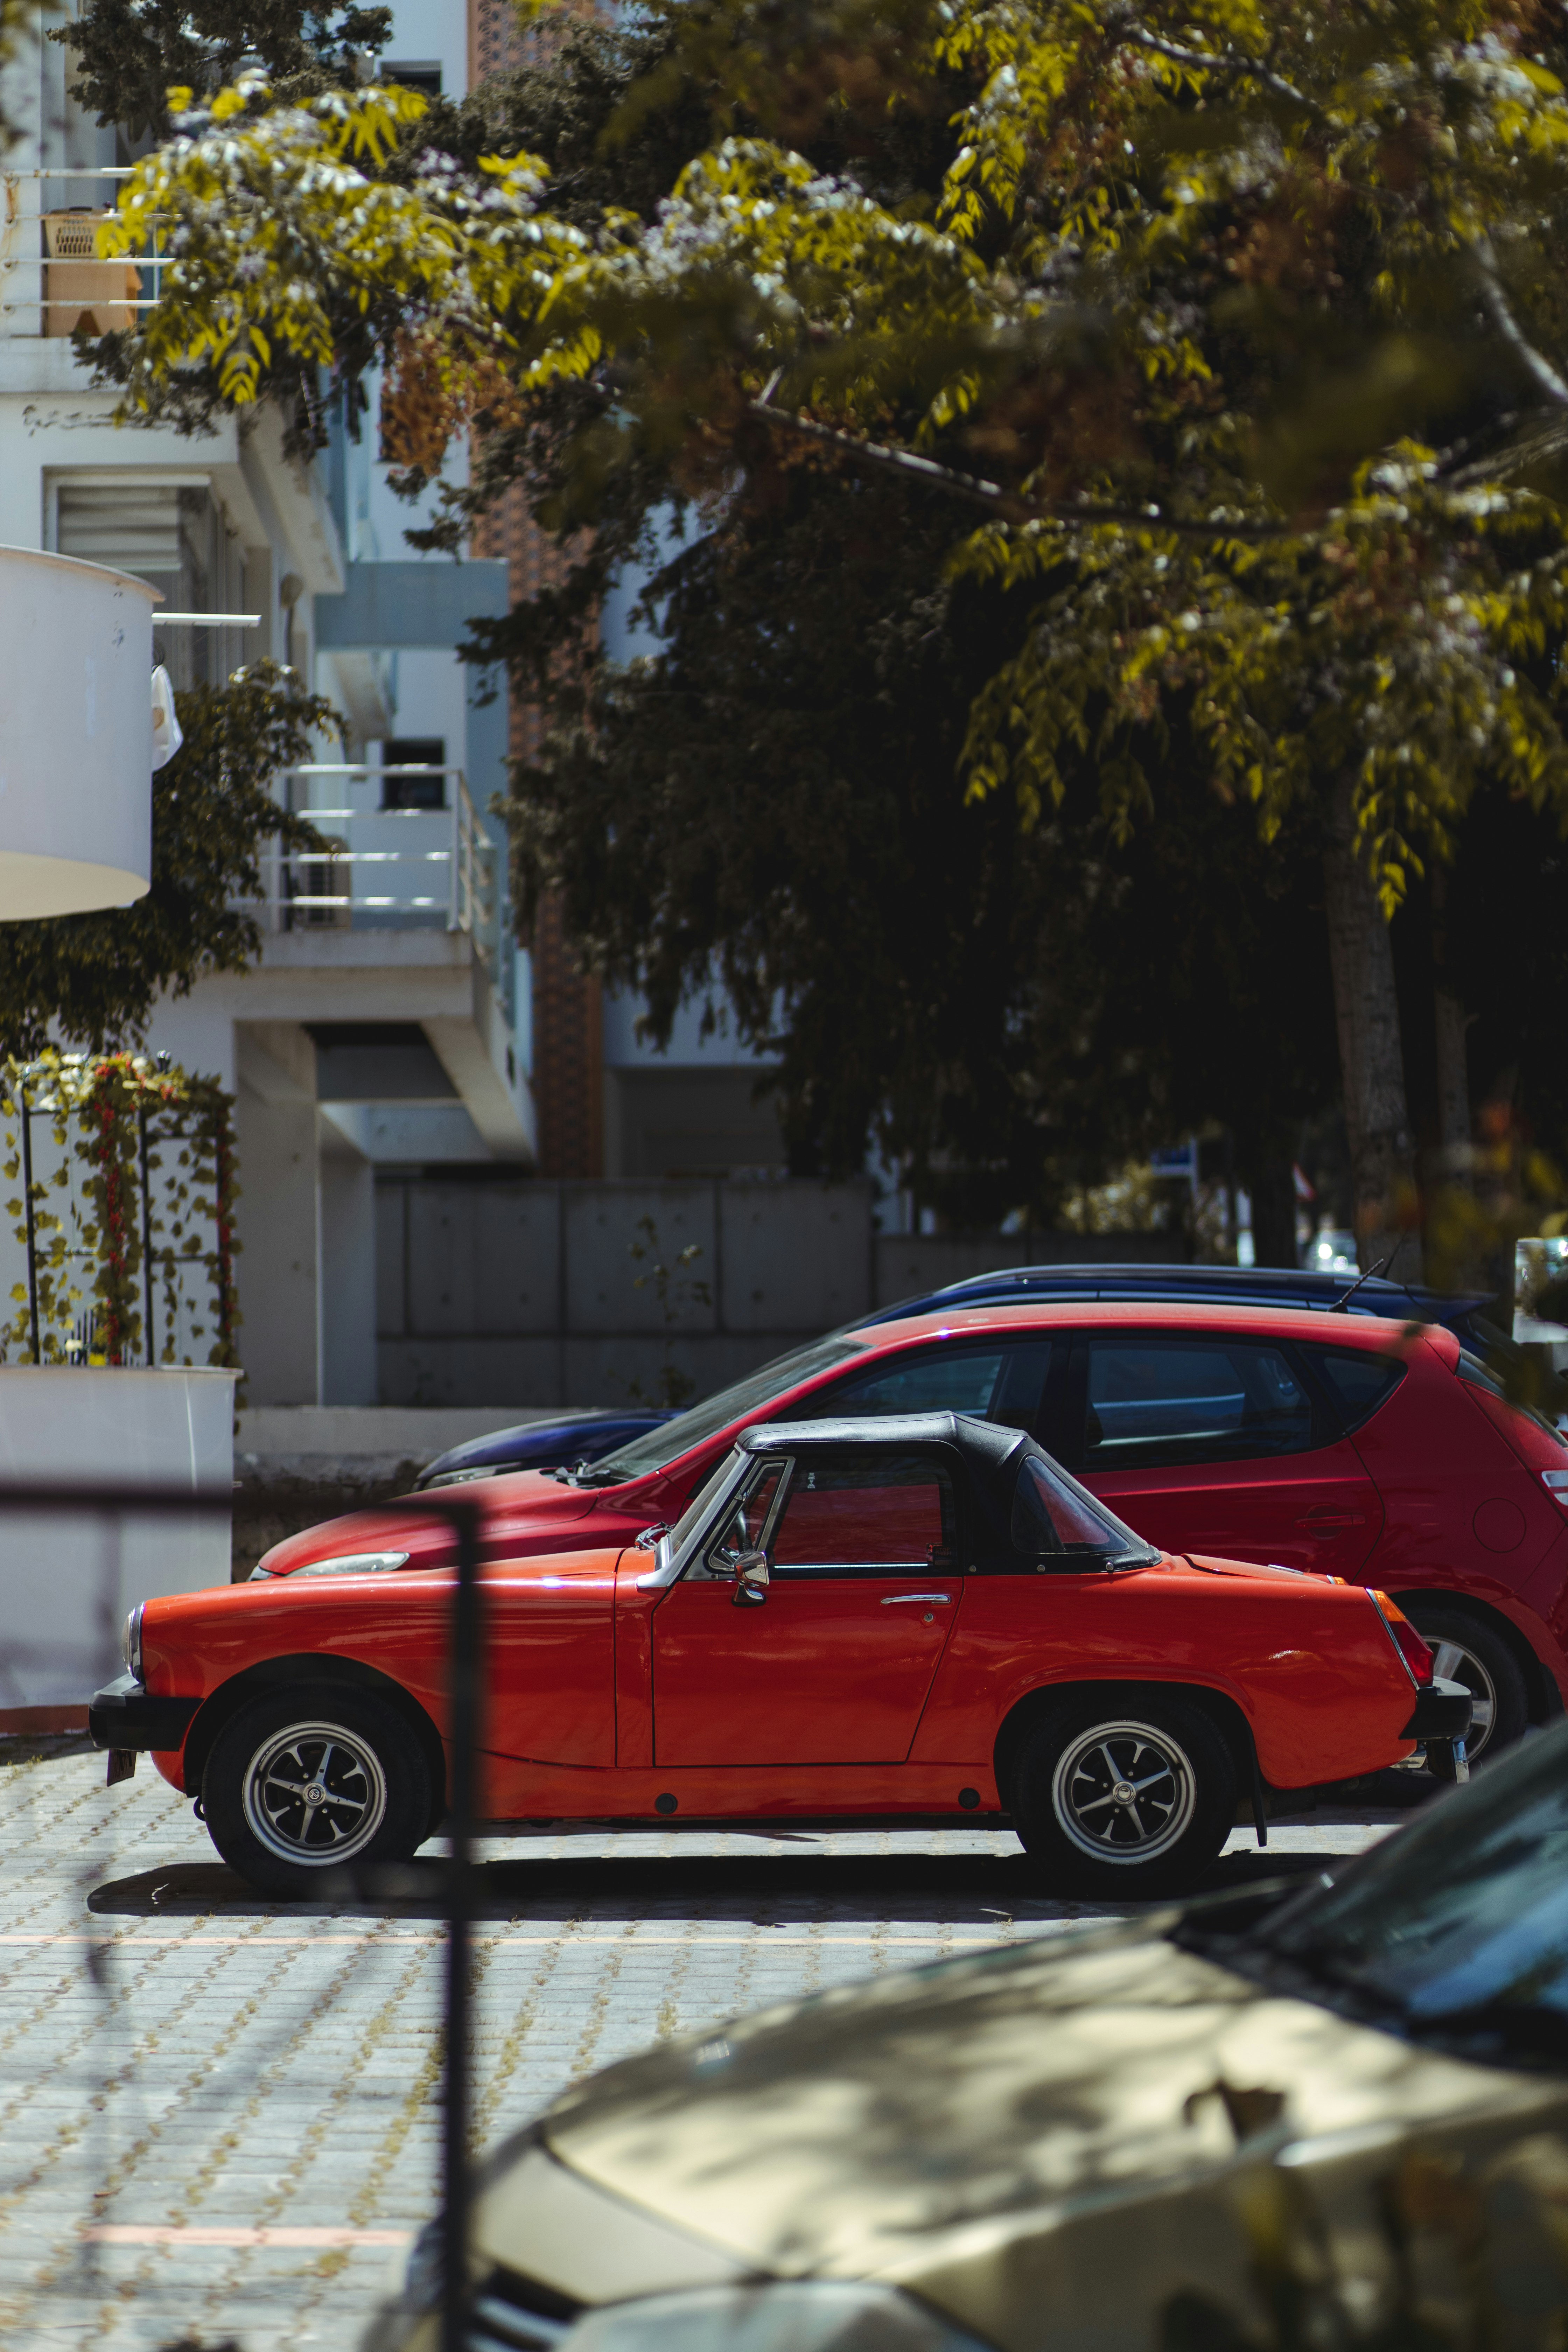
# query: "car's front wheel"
[[300, 1783], [1127, 1797]]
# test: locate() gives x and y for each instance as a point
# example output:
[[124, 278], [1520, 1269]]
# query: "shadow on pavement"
[[792, 1888]]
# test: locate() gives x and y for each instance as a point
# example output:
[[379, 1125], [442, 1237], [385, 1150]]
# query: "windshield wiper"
[[596, 1473]]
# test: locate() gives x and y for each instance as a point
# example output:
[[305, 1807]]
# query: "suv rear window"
[[1357, 1380]]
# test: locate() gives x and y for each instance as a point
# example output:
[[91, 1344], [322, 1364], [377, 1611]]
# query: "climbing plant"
[[138, 1198]]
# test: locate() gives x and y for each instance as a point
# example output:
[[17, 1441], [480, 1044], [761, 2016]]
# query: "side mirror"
[[751, 1580]]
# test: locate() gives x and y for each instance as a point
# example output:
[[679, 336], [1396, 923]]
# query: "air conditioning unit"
[[79, 289]]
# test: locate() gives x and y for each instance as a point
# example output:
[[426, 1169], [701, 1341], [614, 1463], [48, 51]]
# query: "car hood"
[[957, 2128], [527, 1503]]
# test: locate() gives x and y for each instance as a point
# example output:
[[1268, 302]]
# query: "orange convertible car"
[[889, 1620]]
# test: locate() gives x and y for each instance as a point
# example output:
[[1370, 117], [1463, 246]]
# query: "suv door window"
[[999, 1379], [876, 1515], [1154, 1399]]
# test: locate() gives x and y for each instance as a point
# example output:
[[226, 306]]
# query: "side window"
[[745, 1526], [1055, 1521], [1154, 1399], [1357, 1380], [877, 1515], [1001, 1381]]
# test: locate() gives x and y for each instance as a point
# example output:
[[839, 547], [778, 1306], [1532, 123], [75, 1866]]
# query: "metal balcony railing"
[[398, 867], [45, 282]]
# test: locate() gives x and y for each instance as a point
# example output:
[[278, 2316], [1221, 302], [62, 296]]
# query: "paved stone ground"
[[218, 2116]]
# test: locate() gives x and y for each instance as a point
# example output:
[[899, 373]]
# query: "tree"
[[763, 811], [1246, 317], [92, 980], [129, 54]]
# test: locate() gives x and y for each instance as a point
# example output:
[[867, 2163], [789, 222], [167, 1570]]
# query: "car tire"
[[1467, 1649], [1086, 1836], [307, 1781]]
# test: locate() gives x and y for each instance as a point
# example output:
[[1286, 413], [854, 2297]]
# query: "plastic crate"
[[78, 287]]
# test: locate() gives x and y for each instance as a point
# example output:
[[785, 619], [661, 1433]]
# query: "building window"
[[427, 790], [174, 536], [422, 76]]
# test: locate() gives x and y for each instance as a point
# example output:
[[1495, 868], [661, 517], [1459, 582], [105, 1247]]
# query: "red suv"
[[1358, 1449]]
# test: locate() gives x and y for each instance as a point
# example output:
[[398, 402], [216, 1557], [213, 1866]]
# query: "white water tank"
[[76, 735]]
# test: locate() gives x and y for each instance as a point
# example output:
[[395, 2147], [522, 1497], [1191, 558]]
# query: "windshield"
[[1456, 1930], [692, 1516], [659, 1447]]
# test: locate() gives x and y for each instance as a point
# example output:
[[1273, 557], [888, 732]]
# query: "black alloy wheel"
[[1125, 1794], [303, 1783]]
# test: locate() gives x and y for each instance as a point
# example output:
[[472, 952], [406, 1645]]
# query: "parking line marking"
[[140, 2233], [593, 1943]]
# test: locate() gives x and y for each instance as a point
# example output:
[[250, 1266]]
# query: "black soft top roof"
[[986, 1445], [992, 1452]]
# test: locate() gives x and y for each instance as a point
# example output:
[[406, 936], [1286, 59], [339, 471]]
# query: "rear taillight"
[[1556, 1484], [1418, 1657]]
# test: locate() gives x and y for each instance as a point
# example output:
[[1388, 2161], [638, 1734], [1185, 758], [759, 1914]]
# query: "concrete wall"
[[529, 1291], [490, 1291]]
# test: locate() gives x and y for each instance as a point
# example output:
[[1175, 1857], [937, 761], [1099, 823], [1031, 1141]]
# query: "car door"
[[832, 1666], [1216, 1441]]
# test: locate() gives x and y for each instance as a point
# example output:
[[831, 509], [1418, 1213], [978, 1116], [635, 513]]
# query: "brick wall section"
[[567, 1043]]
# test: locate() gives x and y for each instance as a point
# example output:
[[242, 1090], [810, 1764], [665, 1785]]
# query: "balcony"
[[390, 869], [49, 270]]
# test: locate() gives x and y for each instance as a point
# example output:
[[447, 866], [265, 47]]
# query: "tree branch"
[[1008, 506], [1496, 299], [1224, 63]]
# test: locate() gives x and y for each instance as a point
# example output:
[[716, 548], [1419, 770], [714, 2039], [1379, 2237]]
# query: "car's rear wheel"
[[302, 1783], [1465, 1649], [1131, 1796]]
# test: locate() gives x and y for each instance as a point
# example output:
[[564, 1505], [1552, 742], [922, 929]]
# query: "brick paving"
[[219, 2117]]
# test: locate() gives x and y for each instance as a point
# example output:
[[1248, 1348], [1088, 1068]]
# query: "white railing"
[[430, 864], [34, 285]]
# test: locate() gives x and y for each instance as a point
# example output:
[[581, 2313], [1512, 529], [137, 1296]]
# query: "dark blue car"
[[563, 1440]]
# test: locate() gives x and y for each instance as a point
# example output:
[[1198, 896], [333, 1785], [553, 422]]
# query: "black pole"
[[465, 1739], [32, 1230], [146, 1238]]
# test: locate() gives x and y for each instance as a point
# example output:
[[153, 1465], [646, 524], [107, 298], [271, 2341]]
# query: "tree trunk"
[[1453, 1077], [1273, 1191], [1366, 1011]]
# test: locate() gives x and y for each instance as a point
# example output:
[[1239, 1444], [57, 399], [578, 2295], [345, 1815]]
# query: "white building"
[[381, 1049], [386, 1021]]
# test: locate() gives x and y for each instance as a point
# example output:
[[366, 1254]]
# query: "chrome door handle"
[[892, 1600]]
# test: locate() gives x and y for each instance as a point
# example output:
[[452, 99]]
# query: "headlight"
[[130, 1641], [787, 2315], [352, 1563]]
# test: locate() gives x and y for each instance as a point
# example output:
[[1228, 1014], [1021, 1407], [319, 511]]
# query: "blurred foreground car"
[[1335, 1443], [854, 1620], [1338, 2121]]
